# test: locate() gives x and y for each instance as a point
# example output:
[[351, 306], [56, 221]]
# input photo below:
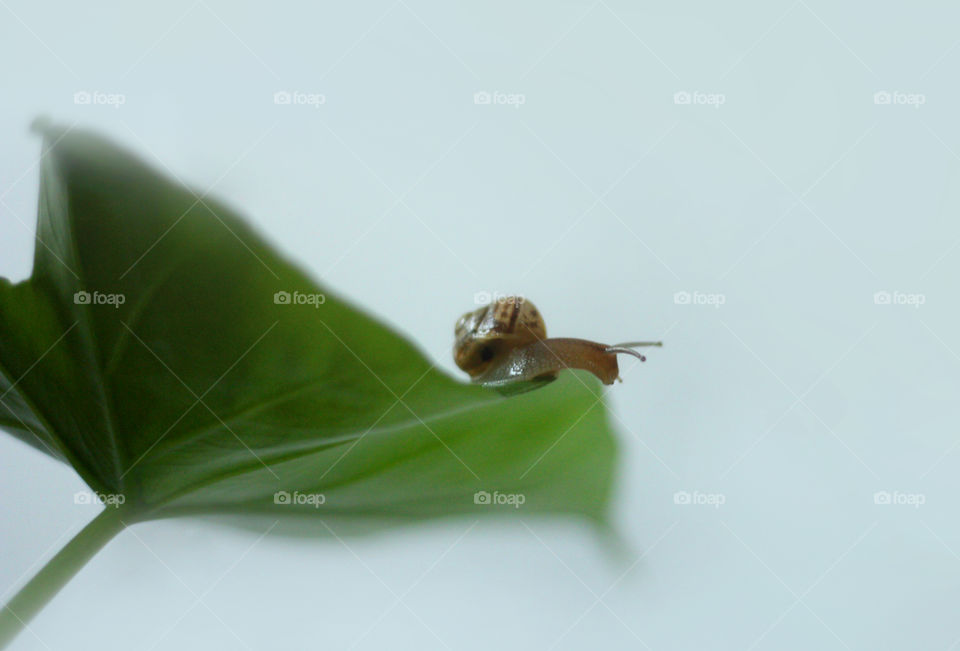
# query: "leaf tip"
[[41, 125]]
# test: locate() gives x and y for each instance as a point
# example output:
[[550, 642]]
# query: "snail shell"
[[483, 336], [506, 342]]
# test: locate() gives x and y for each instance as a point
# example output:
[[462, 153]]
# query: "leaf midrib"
[[198, 434], [86, 328]]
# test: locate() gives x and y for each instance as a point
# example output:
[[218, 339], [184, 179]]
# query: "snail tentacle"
[[627, 348]]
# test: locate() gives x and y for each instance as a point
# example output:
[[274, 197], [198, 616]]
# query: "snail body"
[[506, 342]]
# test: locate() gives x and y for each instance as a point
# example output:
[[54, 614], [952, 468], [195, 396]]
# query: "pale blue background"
[[598, 198]]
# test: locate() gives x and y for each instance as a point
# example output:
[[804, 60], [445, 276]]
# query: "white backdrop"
[[780, 163]]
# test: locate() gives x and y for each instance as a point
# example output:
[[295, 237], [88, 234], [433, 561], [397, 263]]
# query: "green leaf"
[[187, 384]]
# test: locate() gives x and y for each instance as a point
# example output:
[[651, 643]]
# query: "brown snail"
[[506, 342]]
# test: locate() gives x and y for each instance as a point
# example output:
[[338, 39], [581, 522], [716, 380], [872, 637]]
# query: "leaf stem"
[[58, 571]]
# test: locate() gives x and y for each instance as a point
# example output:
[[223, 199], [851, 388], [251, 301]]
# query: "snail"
[[506, 342]]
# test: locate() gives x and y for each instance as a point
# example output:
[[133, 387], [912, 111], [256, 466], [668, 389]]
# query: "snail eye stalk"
[[627, 348]]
